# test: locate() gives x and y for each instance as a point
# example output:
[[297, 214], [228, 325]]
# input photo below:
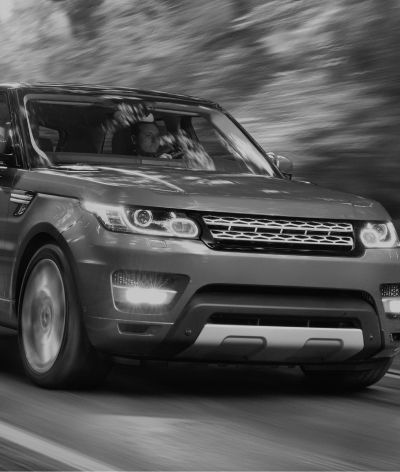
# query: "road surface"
[[195, 418]]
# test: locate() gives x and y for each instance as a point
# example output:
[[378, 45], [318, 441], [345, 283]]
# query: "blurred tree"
[[315, 80], [84, 17]]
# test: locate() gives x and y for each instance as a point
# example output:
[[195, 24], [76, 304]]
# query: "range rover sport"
[[147, 225]]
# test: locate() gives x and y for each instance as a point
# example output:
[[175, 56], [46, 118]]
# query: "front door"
[[7, 176]]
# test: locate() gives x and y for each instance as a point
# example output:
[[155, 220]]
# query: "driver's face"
[[149, 138]]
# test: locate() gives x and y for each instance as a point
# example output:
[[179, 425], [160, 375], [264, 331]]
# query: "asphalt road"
[[195, 418]]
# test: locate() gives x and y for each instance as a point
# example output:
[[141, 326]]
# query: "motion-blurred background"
[[317, 81]]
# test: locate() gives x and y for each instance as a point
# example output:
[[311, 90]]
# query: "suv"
[[147, 225]]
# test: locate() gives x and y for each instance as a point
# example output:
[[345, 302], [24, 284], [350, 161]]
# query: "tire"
[[347, 376], [55, 349]]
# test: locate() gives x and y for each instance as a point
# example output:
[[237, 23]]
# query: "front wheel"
[[55, 350], [347, 376]]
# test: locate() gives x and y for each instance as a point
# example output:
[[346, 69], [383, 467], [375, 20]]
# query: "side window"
[[48, 138], [5, 125], [4, 110], [107, 144]]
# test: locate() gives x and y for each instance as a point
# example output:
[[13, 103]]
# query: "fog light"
[[149, 296], [391, 304], [146, 292]]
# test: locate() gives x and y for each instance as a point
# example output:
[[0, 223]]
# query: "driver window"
[[5, 124], [48, 138]]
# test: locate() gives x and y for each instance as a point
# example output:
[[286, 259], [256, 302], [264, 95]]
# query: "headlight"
[[379, 235], [150, 221]]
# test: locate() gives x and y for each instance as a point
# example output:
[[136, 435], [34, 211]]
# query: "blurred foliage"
[[317, 81]]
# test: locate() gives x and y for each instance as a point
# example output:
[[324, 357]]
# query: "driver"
[[147, 139]]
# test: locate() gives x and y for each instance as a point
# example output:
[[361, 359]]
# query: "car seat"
[[122, 142], [79, 141]]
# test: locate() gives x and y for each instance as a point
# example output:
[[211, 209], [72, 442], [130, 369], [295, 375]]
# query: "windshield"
[[75, 131]]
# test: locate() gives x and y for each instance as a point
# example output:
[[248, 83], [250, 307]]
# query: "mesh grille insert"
[[390, 290], [281, 232]]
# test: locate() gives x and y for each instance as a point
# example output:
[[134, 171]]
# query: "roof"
[[103, 89]]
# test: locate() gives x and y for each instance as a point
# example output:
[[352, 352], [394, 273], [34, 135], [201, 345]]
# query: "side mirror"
[[284, 164]]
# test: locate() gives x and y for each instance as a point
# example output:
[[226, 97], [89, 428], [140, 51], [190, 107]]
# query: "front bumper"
[[284, 287]]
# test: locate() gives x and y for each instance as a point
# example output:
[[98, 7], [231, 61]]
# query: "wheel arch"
[[34, 240]]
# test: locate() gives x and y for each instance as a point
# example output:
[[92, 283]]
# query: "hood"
[[203, 191]]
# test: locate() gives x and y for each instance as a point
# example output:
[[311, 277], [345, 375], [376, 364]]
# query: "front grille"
[[284, 233]]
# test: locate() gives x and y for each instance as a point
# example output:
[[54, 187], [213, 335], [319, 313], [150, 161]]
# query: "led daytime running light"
[[117, 218], [112, 216], [379, 235]]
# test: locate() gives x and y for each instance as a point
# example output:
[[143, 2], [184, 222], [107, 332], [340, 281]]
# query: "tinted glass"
[[4, 109], [69, 131]]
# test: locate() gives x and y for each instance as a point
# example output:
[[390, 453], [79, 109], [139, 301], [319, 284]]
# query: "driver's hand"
[[165, 155]]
